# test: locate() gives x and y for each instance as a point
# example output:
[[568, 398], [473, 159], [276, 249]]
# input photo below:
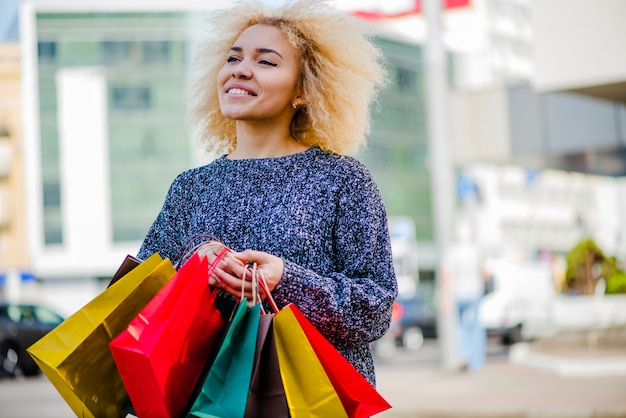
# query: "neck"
[[264, 143]]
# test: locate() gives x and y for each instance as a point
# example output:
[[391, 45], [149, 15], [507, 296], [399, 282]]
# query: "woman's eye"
[[266, 62], [232, 59]]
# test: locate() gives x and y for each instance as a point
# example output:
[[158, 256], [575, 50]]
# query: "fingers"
[[271, 266], [211, 250], [231, 274], [258, 257]]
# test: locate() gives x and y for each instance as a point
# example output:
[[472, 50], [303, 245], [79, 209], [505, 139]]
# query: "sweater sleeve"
[[351, 305]]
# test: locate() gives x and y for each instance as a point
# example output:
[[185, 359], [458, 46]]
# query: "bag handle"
[[253, 281], [218, 257], [261, 281], [258, 280], [255, 295], [257, 275], [188, 248], [256, 298]]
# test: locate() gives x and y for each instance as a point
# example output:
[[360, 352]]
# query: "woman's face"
[[258, 81]]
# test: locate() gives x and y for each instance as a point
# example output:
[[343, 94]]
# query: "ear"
[[300, 101]]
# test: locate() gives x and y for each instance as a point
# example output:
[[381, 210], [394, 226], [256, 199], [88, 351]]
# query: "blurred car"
[[386, 346], [520, 304], [21, 325], [420, 313], [412, 320]]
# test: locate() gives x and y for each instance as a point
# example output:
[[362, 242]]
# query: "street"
[[36, 397], [416, 386]]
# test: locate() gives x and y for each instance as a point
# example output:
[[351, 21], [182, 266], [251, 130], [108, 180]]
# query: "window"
[[47, 53], [46, 316], [155, 52], [406, 80], [53, 220], [51, 194], [116, 52], [131, 98]]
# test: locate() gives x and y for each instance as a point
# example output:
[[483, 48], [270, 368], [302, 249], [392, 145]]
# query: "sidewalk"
[[513, 384], [532, 382]]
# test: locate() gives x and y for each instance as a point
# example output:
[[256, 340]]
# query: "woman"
[[282, 94]]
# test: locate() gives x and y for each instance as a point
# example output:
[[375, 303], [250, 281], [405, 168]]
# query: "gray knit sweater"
[[320, 212]]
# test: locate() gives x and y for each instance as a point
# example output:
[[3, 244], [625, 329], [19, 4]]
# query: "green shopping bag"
[[225, 389]]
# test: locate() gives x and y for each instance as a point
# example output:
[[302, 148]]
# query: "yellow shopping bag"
[[75, 356], [308, 388]]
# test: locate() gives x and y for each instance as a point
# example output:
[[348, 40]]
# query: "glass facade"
[[398, 144], [145, 57]]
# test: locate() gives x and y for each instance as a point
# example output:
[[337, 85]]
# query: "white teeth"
[[239, 92]]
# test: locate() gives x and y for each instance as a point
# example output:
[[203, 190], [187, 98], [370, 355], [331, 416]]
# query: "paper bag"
[[75, 356], [163, 351], [308, 388], [266, 397], [359, 398], [225, 389]]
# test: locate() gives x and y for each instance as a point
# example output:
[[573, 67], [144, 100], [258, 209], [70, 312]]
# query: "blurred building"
[[105, 124], [556, 144], [580, 54], [539, 155], [105, 130], [536, 117], [529, 211], [489, 42], [14, 257], [581, 51]]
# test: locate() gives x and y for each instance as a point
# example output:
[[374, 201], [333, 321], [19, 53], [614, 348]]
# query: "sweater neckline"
[[306, 154]]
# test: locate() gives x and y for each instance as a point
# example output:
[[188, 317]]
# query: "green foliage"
[[616, 283], [579, 276], [586, 264]]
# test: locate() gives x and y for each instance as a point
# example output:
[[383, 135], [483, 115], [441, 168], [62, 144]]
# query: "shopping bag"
[[75, 356], [308, 388], [359, 398], [162, 352], [224, 391], [266, 397], [128, 264]]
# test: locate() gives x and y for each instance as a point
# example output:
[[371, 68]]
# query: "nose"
[[241, 71]]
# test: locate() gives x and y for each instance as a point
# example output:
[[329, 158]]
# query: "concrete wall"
[[578, 43], [479, 128]]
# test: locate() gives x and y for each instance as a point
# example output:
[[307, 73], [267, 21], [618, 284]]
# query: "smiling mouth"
[[239, 92]]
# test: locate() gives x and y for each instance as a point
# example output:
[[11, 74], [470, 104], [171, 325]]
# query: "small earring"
[[294, 105]]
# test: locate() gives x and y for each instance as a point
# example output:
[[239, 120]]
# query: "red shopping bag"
[[163, 351], [359, 398]]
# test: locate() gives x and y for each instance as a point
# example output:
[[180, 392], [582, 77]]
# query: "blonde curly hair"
[[341, 73]]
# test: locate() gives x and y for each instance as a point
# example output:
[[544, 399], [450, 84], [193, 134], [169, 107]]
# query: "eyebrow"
[[259, 50]]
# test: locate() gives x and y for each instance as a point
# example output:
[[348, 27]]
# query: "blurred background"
[[506, 115]]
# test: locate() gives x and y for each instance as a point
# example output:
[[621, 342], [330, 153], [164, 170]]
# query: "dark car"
[[21, 325], [420, 313]]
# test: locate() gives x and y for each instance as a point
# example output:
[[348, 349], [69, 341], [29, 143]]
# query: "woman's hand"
[[233, 274], [234, 267], [270, 266], [211, 250]]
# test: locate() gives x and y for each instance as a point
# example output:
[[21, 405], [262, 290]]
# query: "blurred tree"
[[615, 277], [587, 265]]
